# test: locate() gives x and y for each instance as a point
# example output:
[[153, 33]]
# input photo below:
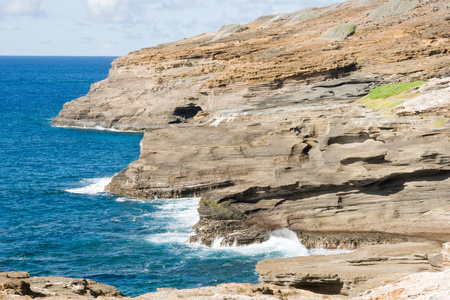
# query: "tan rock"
[[262, 124], [235, 291], [351, 273], [420, 286], [20, 283], [446, 255], [214, 71]]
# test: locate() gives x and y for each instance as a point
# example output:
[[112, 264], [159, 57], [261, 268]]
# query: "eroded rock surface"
[[265, 122], [272, 55], [261, 122], [235, 291], [351, 273], [15, 284]]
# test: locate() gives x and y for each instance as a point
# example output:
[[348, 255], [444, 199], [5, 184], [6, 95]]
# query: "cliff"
[[292, 121], [238, 65], [262, 121]]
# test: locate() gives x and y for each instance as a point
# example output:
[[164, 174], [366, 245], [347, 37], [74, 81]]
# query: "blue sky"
[[117, 27]]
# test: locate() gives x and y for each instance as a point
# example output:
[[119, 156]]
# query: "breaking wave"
[[280, 243], [93, 186]]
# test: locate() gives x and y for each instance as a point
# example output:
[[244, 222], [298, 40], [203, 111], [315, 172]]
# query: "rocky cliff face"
[[270, 123], [237, 65]]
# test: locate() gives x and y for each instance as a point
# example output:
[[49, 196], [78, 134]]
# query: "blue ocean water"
[[55, 218]]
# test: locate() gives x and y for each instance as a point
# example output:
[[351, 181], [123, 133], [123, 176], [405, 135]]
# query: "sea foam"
[[95, 128], [175, 218], [93, 186], [281, 243]]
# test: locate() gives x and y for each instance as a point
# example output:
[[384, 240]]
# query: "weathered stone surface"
[[264, 125], [20, 283], [420, 286], [213, 71], [235, 291], [15, 287], [351, 273]]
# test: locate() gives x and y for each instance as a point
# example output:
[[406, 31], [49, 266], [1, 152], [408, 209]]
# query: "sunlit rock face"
[[265, 122]]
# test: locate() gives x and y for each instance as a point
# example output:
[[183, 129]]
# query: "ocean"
[[55, 219]]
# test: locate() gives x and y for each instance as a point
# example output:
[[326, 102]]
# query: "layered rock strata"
[[152, 87], [270, 125], [352, 273], [318, 166]]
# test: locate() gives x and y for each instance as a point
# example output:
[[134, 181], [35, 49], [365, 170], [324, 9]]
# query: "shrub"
[[340, 31], [392, 8]]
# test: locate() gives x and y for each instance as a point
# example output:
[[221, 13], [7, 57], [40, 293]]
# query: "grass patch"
[[393, 8], [379, 103], [392, 89], [220, 210], [340, 31], [304, 15], [438, 123]]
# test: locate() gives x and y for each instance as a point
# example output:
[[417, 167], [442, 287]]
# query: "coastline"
[[273, 136]]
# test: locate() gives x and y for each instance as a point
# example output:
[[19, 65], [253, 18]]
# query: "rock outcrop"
[[261, 121], [352, 273], [422, 286], [266, 57], [15, 284], [270, 123]]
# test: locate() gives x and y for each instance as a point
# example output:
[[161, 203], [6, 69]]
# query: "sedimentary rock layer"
[[352, 273], [153, 87], [269, 124]]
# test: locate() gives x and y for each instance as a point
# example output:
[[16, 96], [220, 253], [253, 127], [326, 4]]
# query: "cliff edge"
[[332, 122]]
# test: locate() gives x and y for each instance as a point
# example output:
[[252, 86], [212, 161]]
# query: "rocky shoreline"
[[372, 272], [331, 122]]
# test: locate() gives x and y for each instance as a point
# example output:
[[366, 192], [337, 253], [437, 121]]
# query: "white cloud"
[[22, 8], [109, 11], [116, 11]]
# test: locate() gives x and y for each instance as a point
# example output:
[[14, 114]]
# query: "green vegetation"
[[220, 210], [438, 123], [185, 78], [219, 70], [304, 15], [392, 8], [393, 89], [340, 31], [379, 103], [388, 96]]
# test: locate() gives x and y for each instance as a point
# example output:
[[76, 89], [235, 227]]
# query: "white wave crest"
[[176, 218], [94, 186], [96, 128], [129, 199], [168, 238], [282, 242]]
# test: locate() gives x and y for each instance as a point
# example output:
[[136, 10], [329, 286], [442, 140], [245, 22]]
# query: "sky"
[[117, 27]]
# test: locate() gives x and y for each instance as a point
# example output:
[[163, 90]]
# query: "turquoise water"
[[55, 218]]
